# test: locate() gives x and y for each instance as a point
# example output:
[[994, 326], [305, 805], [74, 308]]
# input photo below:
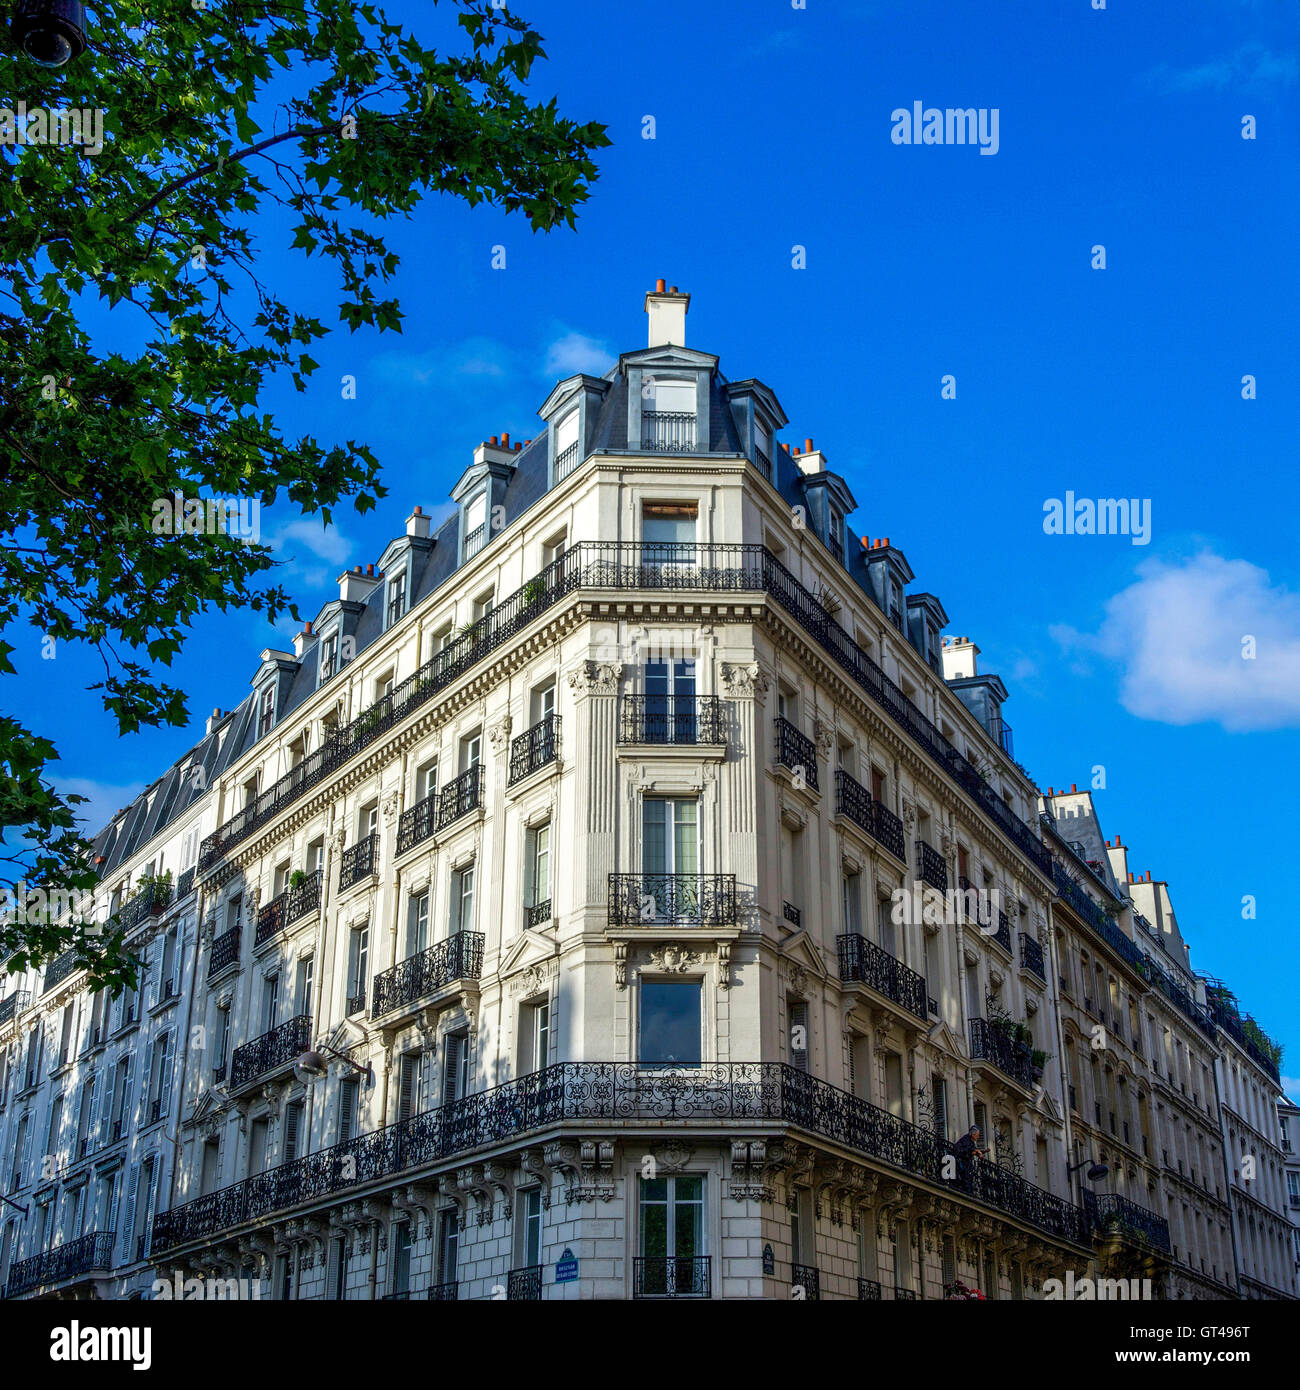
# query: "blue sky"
[[1119, 127]]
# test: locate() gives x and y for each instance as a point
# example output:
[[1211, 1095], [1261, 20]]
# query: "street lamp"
[[51, 32], [1095, 1173], [311, 1065]]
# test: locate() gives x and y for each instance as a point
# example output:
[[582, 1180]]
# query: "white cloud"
[[104, 800], [1178, 636], [475, 357], [1250, 67], [575, 352], [1291, 1088]]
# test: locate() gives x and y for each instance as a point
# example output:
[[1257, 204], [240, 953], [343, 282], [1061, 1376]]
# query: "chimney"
[[496, 449], [811, 460], [303, 641], [667, 311], [214, 719], [959, 660], [355, 587], [417, 524]]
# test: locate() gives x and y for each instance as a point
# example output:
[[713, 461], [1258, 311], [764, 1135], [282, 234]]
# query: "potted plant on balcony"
[[297, 878], [532, 592], [1038, 1060], [961, 1293]]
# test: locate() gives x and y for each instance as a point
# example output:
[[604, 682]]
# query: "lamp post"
[[51, 32], [312, 1066]]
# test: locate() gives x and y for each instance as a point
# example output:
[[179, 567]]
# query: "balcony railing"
[[807, 1280], [855, 803], [14, 1004], [59, 969], [153, 897], [524, 1285], [537, 913], [1012, 1058], [566, 461], [358, 861], [900, 1293], [417, 823], [1003, 934], [869, 1290], [681, 719], [81, 1256], [582, 1092], [287, 907], [616, 565], [1226, 1016], [475, 540], [664, 900], [535, 748], [1098, 920], [1031, 956], [1109, 1211], [444, 1293], [272, 1050], [672, 431], [792, 914], [930, 866], [1002, 732], [797, 752], [460, 796], [862, 960], [1178, 996], [225, 951], [672, 1276], [460, 957]]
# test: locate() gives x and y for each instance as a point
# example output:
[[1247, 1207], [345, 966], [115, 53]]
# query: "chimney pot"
[[886, 542], [518, 446], [672, 289], [216, 713], [418, 512], [807, 446], [1074, 787], [795, 451], [493, 441], [527, 442], [505, 441], [659, 286], [306, 627], [370, 570]]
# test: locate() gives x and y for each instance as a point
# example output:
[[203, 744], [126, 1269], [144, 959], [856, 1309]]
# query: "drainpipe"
[[1227, 1179], [372, 1278]]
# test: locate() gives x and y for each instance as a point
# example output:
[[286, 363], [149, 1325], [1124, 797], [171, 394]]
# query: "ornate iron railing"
[[475, 540], [930, 866], [791, 914], [12, 1006], [1031, 956], [287, 907], [617, 1091], [1012, 1058], [672, 1276], [672, 719], [534, 748], [356, 1003], [77, 1257], [358, 861], [796, 751], [460, 796], [538, 913], [1094, 917], [862, 960], [807, 1279], [1224, 1014], [417, 823], [460, 957], [869, 1290], [901, 1293], [690, 900], [1003, 934], [668, 431], [153, 897], [225, 951], [59, 969], [1001, 731], [566, 461], [855, 802], [1109, 1211], [272, 1050], [524, 1285], [445, 1293], [615, 565]]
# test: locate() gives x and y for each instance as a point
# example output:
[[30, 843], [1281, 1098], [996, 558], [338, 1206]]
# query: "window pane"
[[670, 1023]]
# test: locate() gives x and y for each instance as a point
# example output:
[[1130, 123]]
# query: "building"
[[1288, 1119], [624, 891]]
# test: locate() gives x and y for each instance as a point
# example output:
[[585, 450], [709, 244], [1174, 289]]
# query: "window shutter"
[[292, 1116], [406, 1088], [128, 1226], [165, 1081], [452, 1067], [799, 1021]]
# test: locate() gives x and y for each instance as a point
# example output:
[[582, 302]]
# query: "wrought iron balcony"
[[1011, 1058], [901, 1293], [286, 908], [672, 1276], [791, 914], [1031, 956], [1003, 934], [581, 1092], [225, 951], [1108, 1211], [614, 565], [566, 461], [475, 540], [669, 431], [524, 1285], [59, 969], [665, 900], [460, 796], [855, 803], [356, 1001], [930, 866], [869, 1290], [153, 897], [460, 957], [81, 1256], [677, 719], [535, 748], [445, 1293], [185, 883], [271, 1052], [538, 913], [14, 1004], [863, 961], [417, 823], [1001, 731], [797, 752], [807, 1278], [358, 861]]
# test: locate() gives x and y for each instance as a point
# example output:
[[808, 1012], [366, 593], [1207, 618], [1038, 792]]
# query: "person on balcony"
[[966, 1150]]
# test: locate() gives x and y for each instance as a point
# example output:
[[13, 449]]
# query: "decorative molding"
[[744, 681], [595, 678], [499, 735]]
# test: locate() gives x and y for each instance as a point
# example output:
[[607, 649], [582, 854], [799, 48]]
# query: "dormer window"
[[763, 449], [329, 656], [566, 445], [396, 597], [266, 711], [837, 534], [668, 417], [476, 525]]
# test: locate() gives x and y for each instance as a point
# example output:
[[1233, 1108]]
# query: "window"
[[837, 535], [223, 1040], [851, 893], [803, 1242], [349, 1101], [358, 967], [455, 1067], [448, 1243], [417, 924], [270, 1001], [294, 1114], [537, 869], [86, 1116], [303, 989], [168, 983], [266, 711], [670, 715], [56, 1124], [426, 780], [669, 840], [941, 1112], [668, 415], [535, 1037], [798, 1015], [408, 1085], [368, 820], [329, 656], [462, 899], [396, 597], [566, 445], [763, 448], [671, 1023], [671, 1235], [894, 1083], [528, 1237], [401, 1247], [209, 1172], [476, 525], [339, 1262], [257, 1133], [471, 751], [232, 911], [668, 533], [542, 703]]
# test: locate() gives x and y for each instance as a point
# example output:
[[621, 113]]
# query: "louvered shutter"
[[291, 1125], [406, 1087], [165, 1079], [451, 1069]]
